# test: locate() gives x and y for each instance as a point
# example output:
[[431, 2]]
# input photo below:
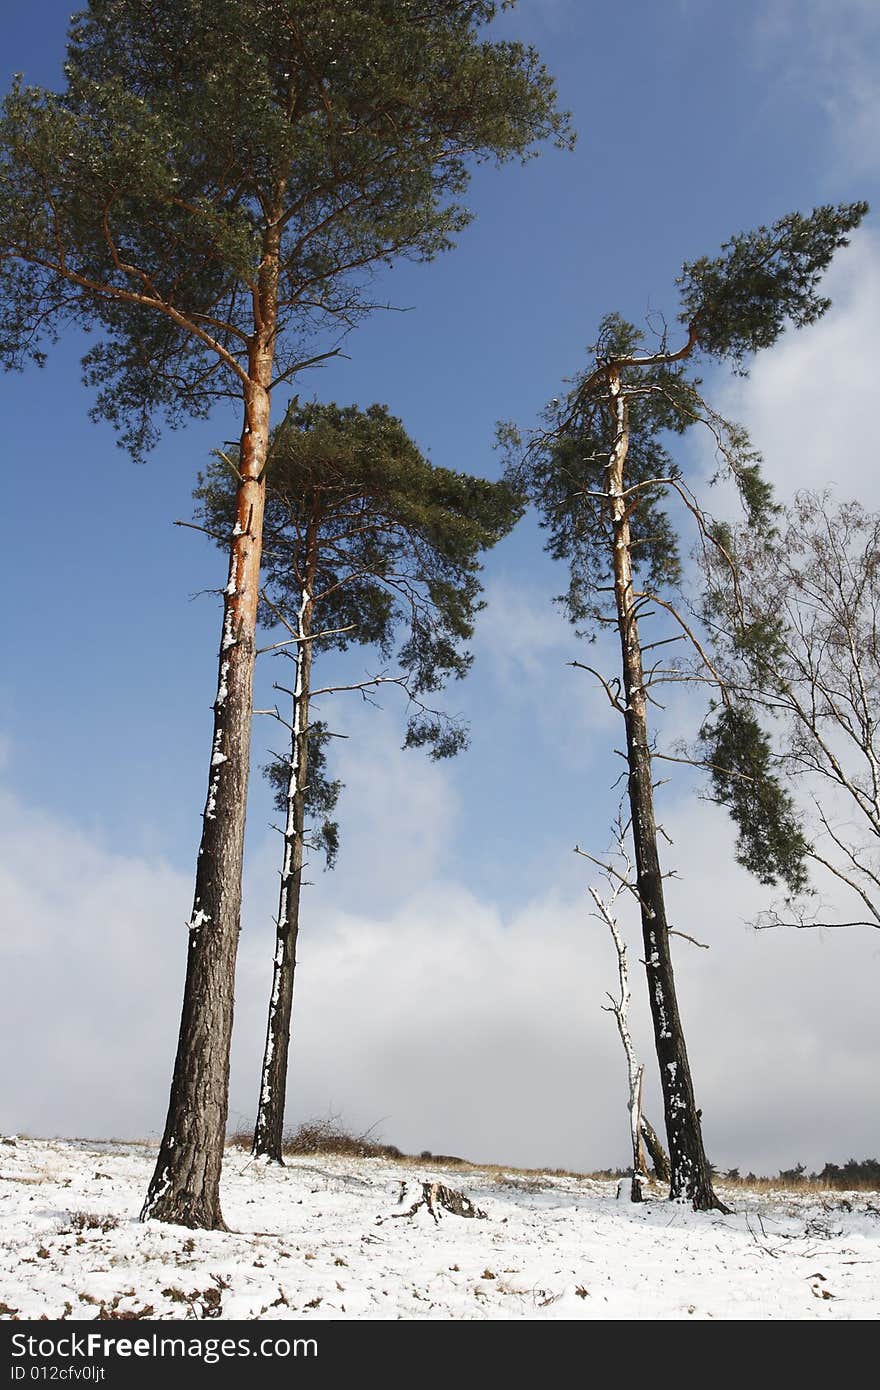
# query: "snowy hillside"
[[318, 1239]]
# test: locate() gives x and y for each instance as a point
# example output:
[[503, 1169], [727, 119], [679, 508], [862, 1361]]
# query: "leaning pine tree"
[[209, 195], [366, 544], [601, 475]]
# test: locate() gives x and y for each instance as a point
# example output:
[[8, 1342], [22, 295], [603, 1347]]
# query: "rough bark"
[[690, 1175], [269, 1129], [185, 1187]]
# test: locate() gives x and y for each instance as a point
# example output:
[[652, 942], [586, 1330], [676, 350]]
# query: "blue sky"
[[695, 119], [682, 140]]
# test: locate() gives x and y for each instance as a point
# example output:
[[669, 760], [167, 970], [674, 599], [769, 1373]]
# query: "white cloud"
[[454, 1027], [398, 809], [524, 642], [88, 998], [519, 630], [458, 1032], [808, 402], [826, 52]]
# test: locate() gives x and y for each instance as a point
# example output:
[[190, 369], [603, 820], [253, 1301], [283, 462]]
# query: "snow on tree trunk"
[[269, 1130], [690, 1175]]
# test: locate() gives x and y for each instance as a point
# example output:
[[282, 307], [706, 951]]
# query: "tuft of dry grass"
[[324, 1136], [91, 1221], [329, 1136]]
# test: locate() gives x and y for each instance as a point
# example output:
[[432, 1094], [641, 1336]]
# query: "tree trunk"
[[269, 1130], [639, 1169], [690, 1176], [659, 1156], [634, 1069], [185, 1186]]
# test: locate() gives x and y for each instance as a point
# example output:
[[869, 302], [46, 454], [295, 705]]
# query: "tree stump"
[[436, 1197]]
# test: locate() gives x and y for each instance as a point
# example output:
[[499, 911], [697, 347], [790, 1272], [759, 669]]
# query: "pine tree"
[[209, 194], [366, 544], [601, 472]]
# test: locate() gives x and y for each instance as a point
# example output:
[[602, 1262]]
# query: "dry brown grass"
[[330, 1136], [813, 1184], [324, 1136], [91, 1221]]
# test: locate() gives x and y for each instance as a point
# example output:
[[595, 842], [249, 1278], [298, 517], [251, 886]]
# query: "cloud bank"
[[447, 1024]]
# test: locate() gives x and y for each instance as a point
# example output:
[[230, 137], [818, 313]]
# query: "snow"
[[218, 758], [318, 1239], [222, 688]]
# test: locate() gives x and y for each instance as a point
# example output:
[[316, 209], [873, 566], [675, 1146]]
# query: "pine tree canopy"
[[770, 842], [563, 474], [396, 545], [732, 306], [764, 280], [321, 796], [193, 137]]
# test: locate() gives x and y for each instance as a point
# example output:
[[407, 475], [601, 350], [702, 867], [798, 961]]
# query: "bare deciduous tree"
[[606, 912], [796, 630]]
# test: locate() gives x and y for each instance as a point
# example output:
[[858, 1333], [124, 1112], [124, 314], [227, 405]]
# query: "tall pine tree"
[[601, 473], [366, 544], [209, 194]]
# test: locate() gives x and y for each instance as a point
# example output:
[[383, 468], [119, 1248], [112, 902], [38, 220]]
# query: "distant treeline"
[[847, 1175]]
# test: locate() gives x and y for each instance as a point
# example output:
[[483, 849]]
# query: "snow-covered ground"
[[317, 1239]]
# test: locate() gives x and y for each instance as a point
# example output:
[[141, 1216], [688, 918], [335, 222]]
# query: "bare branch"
[[608, 687], [312, 637], [698, 762], [673, 931], [191, 526]]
